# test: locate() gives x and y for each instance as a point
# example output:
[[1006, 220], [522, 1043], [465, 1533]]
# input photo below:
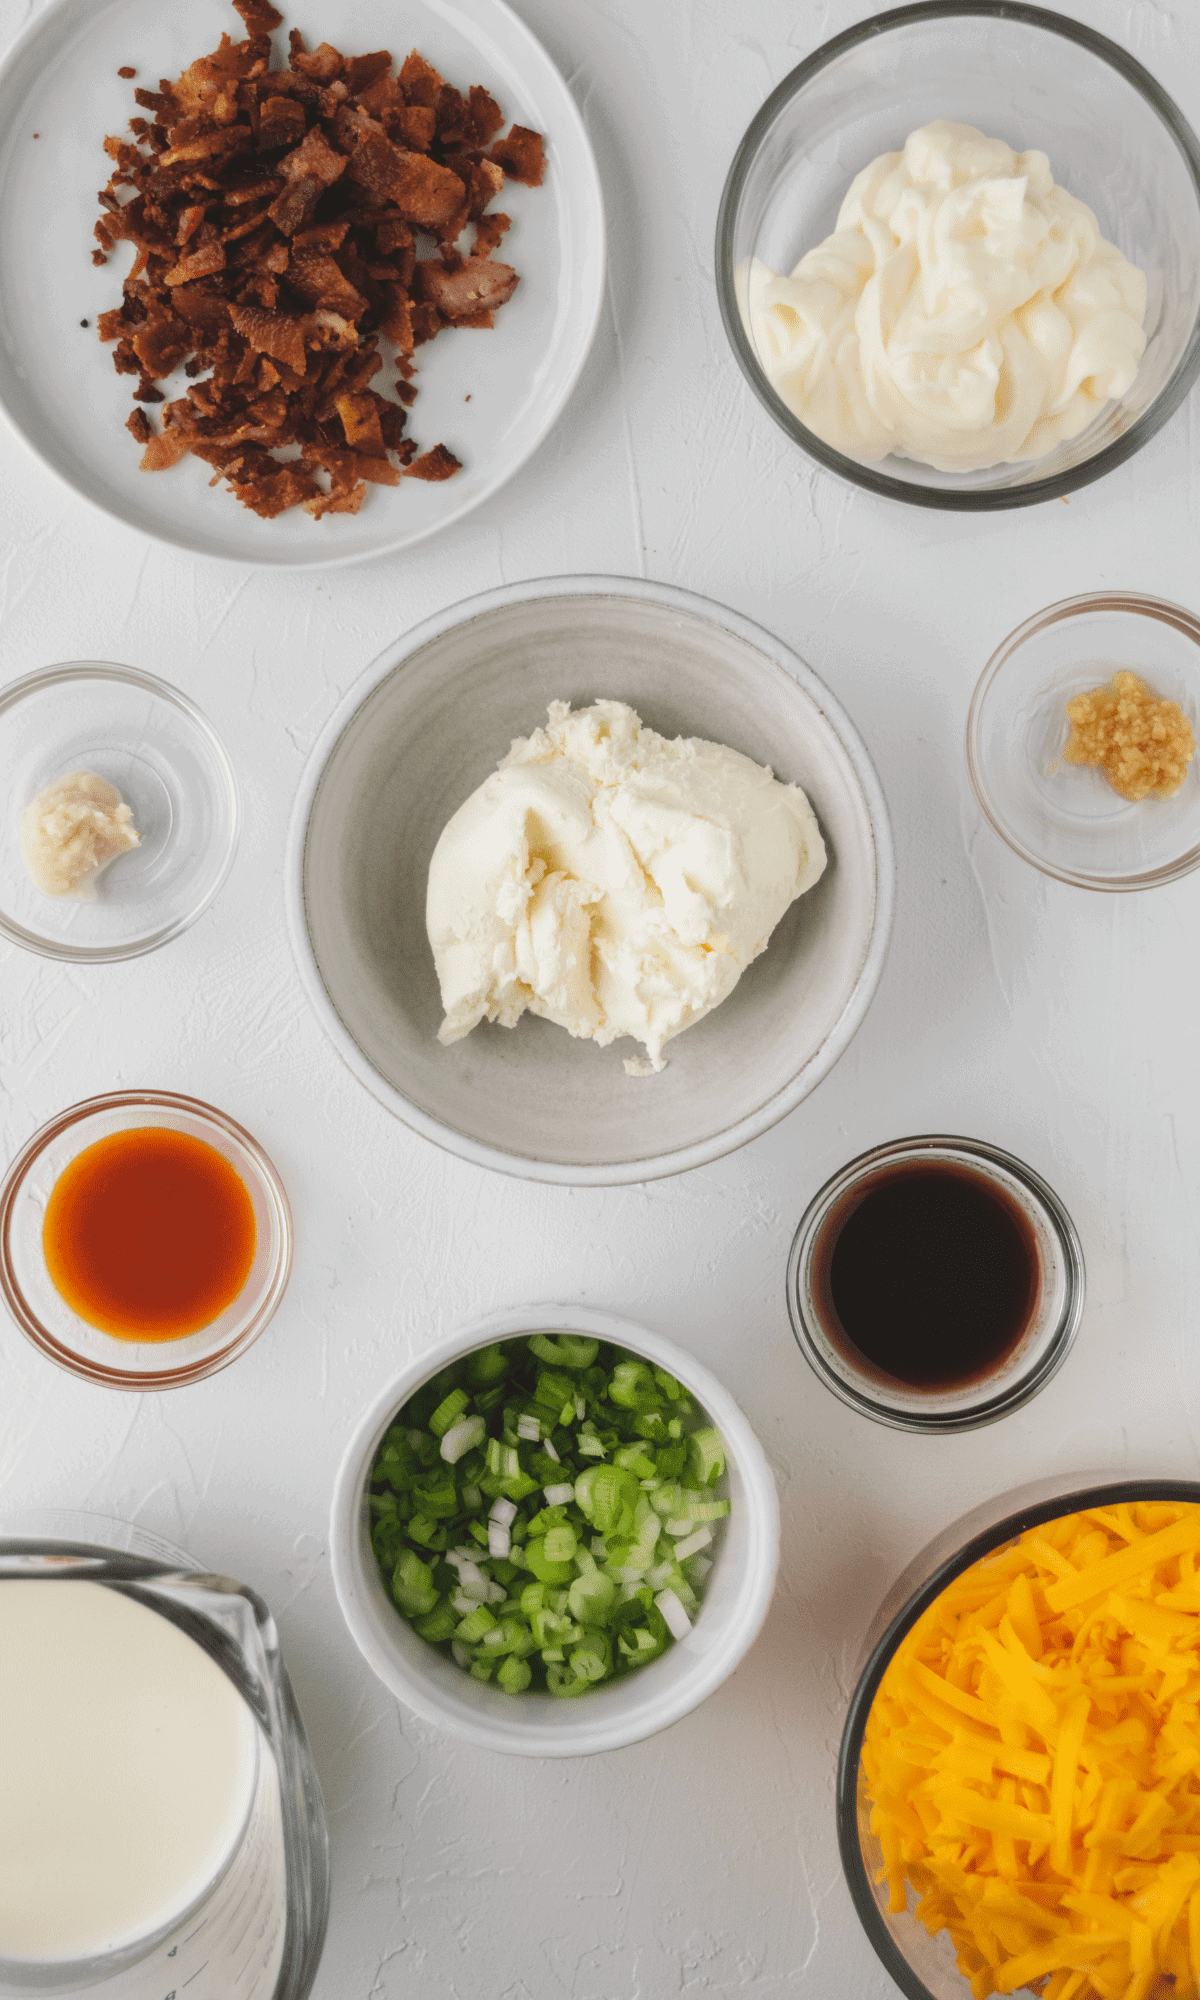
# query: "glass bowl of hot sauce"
[[145, 1240]]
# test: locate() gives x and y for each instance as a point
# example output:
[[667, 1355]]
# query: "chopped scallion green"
[[545, 1562]]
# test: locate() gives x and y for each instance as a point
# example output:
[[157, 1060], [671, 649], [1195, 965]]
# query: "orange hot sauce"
[[149, 1234]]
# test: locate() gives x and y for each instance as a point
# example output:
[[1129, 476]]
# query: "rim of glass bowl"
[[64, 672], [1032, 1515], [160, 1378], [977, 501], [1130, 601], [989, 1410]]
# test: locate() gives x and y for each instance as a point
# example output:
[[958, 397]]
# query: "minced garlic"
[[1142, 745], [72, 830]]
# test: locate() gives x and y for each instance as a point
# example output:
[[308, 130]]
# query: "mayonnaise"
[[127, 1768], [966, 312]]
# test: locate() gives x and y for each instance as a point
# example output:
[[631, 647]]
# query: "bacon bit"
[[464, 294], [281, 335], [281, 122], [315, 158], [414, 126], [436, 464], [165, 448], [259, 15], [419, 80], [488, 232], [422, 191], [521, 155], [201, 263], [272, 283], [360, 421], [127, 72]]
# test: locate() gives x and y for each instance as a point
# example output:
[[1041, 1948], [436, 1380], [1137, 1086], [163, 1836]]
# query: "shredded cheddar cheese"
[[1032, 1761]]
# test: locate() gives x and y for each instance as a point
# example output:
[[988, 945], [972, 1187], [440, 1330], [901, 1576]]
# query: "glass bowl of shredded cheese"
[[1017, 1800]]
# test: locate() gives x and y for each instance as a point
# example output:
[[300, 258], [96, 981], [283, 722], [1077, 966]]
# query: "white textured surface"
[[1059, 1024]]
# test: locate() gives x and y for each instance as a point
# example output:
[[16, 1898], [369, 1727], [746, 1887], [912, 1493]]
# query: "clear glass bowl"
[[168, 764], [1040, 1352], [1065, 818], [273, 1892], [1113, 137], [44, 1315], [924, 1967]]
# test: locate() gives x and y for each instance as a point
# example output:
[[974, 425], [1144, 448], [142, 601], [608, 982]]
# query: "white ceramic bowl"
[[736, 1599], [430, 720]]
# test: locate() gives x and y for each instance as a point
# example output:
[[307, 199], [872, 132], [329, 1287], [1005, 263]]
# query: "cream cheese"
[[966, 312], [613, 881]]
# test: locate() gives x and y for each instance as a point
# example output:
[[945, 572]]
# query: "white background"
[[1059, 1024]]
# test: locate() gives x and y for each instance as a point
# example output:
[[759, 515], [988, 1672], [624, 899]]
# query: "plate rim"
[[651, 1166], [593, 202]]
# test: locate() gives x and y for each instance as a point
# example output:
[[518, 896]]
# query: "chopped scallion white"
[[462, 1438], [677, 1621]]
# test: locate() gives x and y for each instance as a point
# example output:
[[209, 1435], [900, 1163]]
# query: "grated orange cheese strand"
[[1062, 1784], [1114, 1571], [1032, 1760]]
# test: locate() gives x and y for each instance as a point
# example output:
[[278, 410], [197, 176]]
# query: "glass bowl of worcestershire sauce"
[[935, 1284], [145, 1240]]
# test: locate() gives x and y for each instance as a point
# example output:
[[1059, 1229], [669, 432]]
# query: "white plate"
[[57, 382]]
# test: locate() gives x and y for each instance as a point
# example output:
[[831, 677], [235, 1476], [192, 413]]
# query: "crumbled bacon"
[[521, 156], [436, 464], [273, 215]]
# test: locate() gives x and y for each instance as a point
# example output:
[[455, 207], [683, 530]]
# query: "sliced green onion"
[[412, 1585], [462, 1438], [441, 1623], [539, 1561], [559, 1544], [677, 1621], [569, 1350], [448, 1412], [707, 1453], [514, 1675]]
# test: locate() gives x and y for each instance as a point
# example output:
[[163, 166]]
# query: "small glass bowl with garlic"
[[147, 744], [1065, 817]]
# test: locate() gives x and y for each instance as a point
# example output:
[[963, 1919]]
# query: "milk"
[[128, 1764]]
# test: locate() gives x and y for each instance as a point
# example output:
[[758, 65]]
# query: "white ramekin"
[[738, 1593]]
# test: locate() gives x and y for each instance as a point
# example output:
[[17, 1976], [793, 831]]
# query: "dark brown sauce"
[[927, 1274]]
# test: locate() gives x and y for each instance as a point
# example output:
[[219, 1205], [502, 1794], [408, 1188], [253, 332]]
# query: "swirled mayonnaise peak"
[[966, 312], [613, 881]]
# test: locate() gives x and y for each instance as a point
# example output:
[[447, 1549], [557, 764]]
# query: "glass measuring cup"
[[257, 1929]]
